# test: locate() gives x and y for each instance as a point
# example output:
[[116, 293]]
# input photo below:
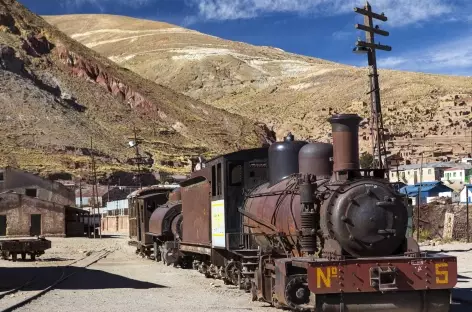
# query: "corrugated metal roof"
[[425, 187]]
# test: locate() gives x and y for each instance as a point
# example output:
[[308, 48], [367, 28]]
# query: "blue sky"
[[432, 36]]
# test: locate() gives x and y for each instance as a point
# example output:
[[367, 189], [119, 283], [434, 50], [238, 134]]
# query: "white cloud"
[[400, 12], [341, 35], [392, 62], [453, 57]]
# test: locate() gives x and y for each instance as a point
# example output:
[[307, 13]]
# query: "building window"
[[31, 192], [429, 171], [460, 174], [1, 176], [454, 174]]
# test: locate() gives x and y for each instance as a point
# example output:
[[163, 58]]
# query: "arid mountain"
[[291, 92], [55, 94]]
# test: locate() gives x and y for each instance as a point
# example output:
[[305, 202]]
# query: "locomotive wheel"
[[157, 254], [232, 271], [5, 255], [297, 294]]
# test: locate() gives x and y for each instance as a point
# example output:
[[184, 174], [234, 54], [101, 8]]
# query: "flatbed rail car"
[[34, 247]]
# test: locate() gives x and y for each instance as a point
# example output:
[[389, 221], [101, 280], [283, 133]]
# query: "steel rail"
[[57, 282]]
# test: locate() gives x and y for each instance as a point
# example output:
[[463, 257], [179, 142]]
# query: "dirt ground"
[[125, 282]]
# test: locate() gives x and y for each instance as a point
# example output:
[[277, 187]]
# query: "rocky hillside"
[[56, 95], [288, 91]]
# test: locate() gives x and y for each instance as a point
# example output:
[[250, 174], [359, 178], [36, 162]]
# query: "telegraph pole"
[[138, 159], [369, 46], [93, 186]]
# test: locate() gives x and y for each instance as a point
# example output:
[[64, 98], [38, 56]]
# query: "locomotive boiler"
[[301, 226]]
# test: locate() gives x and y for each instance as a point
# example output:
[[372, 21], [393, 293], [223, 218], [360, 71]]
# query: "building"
[[466, 160], [457, 176], [84, 195], [427, 191], [459, 173], [22, 182], [105, 194], [30, 206], [410, 174], [464, 195]]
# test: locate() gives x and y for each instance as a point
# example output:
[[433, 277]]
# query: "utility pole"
[[138, 159], [369, 46], [418, 201], [93, 186], [80, 191], [467, 209], [95, 192]]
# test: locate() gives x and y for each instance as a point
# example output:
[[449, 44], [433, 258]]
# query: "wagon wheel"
[[297, 293]]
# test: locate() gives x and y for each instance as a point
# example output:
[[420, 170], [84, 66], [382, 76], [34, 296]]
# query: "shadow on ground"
[[83, 278], [461, 300]]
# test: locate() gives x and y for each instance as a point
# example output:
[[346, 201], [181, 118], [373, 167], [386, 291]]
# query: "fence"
[[115, 224]]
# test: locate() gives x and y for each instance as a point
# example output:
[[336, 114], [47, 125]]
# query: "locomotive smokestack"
[[345, 129]]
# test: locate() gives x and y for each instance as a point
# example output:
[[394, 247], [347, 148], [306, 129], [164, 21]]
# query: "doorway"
[[3, 225], [35, 225]]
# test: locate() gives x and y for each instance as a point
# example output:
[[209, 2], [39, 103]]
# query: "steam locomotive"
[[301, 226]]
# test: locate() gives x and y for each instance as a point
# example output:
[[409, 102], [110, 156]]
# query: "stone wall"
[[18, 209]]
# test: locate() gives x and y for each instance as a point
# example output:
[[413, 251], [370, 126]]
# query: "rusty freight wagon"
[[28, 246], [142, 204]]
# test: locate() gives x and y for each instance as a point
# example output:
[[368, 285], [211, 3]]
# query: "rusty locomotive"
[[301, 226]]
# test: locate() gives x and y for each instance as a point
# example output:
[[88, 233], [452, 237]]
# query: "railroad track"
[[20, 296]]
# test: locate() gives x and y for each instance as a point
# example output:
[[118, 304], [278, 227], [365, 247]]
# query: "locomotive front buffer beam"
[[392, 284]]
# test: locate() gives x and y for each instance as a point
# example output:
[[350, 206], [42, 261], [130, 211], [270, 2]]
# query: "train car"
[[142, 204], [211, 200], [301, 226]]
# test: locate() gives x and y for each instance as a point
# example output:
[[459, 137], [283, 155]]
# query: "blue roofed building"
[[427, 191]]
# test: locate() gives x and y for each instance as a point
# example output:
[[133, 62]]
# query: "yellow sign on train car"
[[325, 275], [218, 238], [442, 273]]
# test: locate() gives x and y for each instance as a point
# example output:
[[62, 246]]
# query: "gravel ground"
[[126, 282]]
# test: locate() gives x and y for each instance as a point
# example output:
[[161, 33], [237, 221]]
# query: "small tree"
[[366, 160]]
